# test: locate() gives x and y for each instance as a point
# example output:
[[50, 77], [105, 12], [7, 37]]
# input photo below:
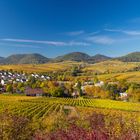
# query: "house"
[[48, 78], [17, 80], [23, 80], [75, 94], [34, 92], [88, 83], [42, 76], [99, 84], [124, 94], [36, 75], [2, 82]]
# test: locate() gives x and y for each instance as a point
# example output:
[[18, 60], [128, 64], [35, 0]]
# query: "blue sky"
[[56, 27]]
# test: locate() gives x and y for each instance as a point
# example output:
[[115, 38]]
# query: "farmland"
[[107, 70], [30, 106], [129, 76], [56, 113], [112, 66], [49, 67], [95, 103]]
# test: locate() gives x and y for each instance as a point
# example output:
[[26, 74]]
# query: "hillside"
[[81, 57], [48, 67], [132, 57], [99, 58], [1, 58], [112, 66], [25, 59], [74, 56]]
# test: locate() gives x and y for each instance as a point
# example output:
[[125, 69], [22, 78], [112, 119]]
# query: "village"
[[34, 84]]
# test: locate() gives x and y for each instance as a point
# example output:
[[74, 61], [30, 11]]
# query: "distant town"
[[36, 84]]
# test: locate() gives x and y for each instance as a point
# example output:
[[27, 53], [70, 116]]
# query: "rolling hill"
[[99, 58], [25, 59], [81, 57], [74, 56], [1, 58], [131, 57]]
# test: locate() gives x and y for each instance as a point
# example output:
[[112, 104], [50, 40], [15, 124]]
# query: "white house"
[[36, 75], [2, 82], [48, 78], [88, 83], [124, 94], [17, 80], [42, 76], [75, 94], [99, 84]]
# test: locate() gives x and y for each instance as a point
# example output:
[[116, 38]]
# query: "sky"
[[57, 27]]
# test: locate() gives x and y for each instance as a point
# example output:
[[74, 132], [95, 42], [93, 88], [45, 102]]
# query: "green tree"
[[56, 92], [9, 88], [96, 80], [79, 88]]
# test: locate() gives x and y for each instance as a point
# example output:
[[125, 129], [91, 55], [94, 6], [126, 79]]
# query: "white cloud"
[[75, 33], [73, 43], [113, 30], [133, 33], [53, 43], [128, 32], [101, 40], [94, 33]]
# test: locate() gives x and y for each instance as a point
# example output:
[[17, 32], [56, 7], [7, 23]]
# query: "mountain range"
[[24, 59], [74, 56]]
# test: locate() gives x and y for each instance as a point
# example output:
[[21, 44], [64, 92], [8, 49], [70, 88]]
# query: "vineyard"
[[49, 67], [39, 108], [67, 117]]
